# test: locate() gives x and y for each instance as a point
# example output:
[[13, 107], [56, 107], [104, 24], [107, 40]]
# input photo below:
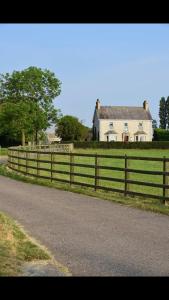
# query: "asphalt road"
[[90, 236]]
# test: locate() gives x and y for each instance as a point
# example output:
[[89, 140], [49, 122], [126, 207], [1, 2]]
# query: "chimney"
[[145, 105], [98, 104]]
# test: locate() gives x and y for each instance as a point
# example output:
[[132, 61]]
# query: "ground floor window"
[[140, 138], [111, 137]]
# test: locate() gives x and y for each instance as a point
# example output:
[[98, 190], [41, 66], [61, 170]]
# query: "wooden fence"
[[17, 154], [58, 147]]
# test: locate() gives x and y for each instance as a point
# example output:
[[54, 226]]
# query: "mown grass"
[[134, 164], [3, 151], [16, 247]]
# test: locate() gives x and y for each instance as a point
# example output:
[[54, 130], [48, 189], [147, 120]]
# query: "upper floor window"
[[111, 125], [140, 126], [125, 126]]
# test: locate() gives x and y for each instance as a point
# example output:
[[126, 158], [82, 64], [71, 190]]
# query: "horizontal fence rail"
[[24, 159]]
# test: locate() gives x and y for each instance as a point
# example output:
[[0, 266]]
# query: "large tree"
[[14, 120], [163, 113], [36, 89], [69, 128], [167, 112]]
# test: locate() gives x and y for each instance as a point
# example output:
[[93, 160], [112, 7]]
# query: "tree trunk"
[[36, 137], [23, 137]]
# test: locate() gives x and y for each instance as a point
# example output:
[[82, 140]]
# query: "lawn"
[[16, 248], [134, 164], [3, 151]]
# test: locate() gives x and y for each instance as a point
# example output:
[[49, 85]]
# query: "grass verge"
[[16, 248], [3, 151], [137, 202]]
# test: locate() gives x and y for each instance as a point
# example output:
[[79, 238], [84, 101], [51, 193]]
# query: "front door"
[[126, 138]]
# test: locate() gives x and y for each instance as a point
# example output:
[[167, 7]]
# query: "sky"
[[120, 64]]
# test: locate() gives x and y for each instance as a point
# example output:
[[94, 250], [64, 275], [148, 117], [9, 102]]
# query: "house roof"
[[140, 132], [123, 113]]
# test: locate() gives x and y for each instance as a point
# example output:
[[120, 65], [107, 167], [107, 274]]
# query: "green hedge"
[[161, 134], [122, 145]]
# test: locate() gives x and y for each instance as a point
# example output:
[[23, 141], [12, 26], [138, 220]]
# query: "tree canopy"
[[69, 128], [26, 101], [163, 113]]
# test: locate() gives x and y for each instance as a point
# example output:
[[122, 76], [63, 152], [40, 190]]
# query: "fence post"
[[18, 161], [71, 167], [126, 176], [96, 171], [37, 163], [9, 159], [164, 176], [51, 175], [26, 162], [166, 182]]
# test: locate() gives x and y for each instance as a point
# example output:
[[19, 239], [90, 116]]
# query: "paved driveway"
[[91, 237]]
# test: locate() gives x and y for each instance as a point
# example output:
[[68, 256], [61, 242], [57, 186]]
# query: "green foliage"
[[122, 145], [28, 95], [163, 113], [13, 118], [69, 128], [161, 134], [33, 83], [167, 112], [3, 151]]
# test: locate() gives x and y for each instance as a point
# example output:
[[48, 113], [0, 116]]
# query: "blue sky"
[[121, 64]]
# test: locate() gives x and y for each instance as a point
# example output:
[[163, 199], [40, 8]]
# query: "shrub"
[[123, 145], [161, 134]]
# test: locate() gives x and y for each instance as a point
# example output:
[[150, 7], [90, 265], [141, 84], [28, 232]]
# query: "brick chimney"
[[145, 105], [98, 104]]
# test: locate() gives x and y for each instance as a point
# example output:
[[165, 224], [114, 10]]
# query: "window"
[[125, 127], [111, 125], [140, 126], [112, 137]]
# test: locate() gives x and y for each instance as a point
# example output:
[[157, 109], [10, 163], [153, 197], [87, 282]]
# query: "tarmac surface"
[[89, 236]]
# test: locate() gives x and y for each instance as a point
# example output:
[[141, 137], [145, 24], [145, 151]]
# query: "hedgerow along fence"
[[75, 168]]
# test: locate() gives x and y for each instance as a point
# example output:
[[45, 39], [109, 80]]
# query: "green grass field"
[[142, 165], [3, 151]]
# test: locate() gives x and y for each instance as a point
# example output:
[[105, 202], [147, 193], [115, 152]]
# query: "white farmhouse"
[[122, 123]]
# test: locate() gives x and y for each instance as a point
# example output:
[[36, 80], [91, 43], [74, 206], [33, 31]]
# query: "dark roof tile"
[[123, 113]]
